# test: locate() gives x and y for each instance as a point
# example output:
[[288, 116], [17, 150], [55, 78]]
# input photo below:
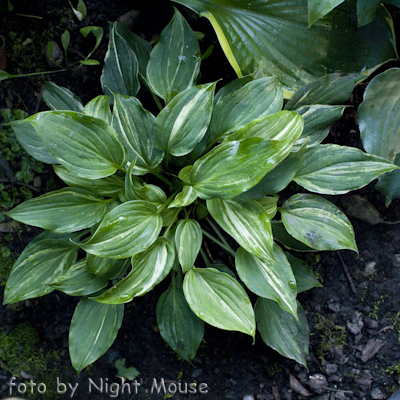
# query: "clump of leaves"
[[145, 192]]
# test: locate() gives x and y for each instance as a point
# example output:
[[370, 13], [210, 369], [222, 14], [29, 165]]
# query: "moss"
[[330, 335], [20, 350], [7, 260]]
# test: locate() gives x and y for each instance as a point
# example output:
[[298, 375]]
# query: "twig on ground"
[[346, 271]]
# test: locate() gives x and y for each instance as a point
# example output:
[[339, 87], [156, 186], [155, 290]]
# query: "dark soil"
[[346, 326]]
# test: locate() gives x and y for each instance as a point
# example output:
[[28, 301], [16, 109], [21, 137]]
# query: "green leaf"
[[89, 62], [317, 223], [64, 210], [281, 331], [271, 280], [247, 222], [184, 198], [65, 39], [282, 125], [121, 67], [84, 145], [305, 277], [234, 167], [97, 33], [270, 205], [44, 259], [126, 230], [317, 122], [78, 281], [379, 127], [5, 75], [242, 104], [329, 90], [130, 373], [178, 326], [277, 179], [136, 190], [333, 169], [275, 37], [59, 98], [80, 11], [134, 126], [32, 143], [93, 329], [181, 125], [188, 239], [366, 9], [318, 9], [109, 186], [175, 60], [281, 235], [99, 266], [148, 269], [99, 108], [219, 300]]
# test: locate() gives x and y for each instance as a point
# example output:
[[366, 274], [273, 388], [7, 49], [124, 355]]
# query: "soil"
[[354, 326]]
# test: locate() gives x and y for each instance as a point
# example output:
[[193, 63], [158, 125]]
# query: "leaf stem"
[[215, 240], [171, 223], [218, 232], [167, 203], [205, 258], [37, 73], [156, 100], [162, 178]]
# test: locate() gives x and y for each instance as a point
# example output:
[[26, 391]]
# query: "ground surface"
[[355, 337]]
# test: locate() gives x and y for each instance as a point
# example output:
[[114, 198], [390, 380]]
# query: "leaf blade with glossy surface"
[[270, 280], [219, 300], [93, 329], [126, 230], [318, 223], [87, 146], [175, 60], [64, 210], [177, 323], [281, 331], [247, 222]]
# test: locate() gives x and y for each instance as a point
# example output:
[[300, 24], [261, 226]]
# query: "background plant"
[[227, 155]]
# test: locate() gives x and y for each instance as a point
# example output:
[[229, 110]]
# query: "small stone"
[[376, 394], [261, 385], [369, 269], [248, 397], [372, 324], [334, 378], [25, 375], [334, 305], [396, 260], [231, 380], [54, 55], [318, 383], [37, 181], [340, 395], [356, 325], [197, 372], [364, 381], [331, 369], [325, 396], [363, 285]]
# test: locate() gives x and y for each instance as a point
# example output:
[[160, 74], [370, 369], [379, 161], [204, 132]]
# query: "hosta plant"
[[150, 198]]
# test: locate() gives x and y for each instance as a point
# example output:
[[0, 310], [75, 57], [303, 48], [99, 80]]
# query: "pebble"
[[331, 369], [197, 372], [318, 383], [25, 375], [376, 394], [340, 395], [356, 325], [248, 397]]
